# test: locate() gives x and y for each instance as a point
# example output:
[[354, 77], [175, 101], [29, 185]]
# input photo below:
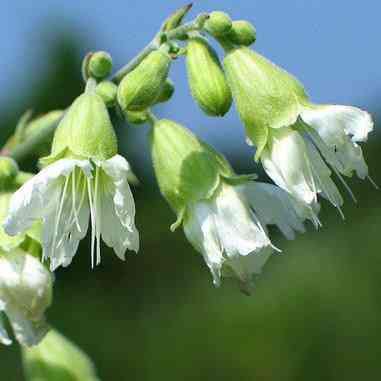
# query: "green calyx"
[[266, 96], [86, 130], [142, 87], [186, 169], [206, 78]]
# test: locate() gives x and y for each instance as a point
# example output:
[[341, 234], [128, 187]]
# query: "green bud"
[[206, 78], [218, 23], [8, 172], [136, 117], [166, 92], [187, 170], [107, 90], [243, 33], [86, 130], [141, 87], [100, 65], [266, 96], [57, 359]]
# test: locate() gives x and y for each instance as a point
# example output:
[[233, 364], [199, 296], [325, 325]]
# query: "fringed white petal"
[[201, 231], [33, 200], [50, 196], [353, 121], [286, 162], [227, 233], [274, 206], [117, 207], [341, 128]]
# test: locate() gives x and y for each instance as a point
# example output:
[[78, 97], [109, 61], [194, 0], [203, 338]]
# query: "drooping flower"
[[224, 216], [299, 143], [25, 294], [84, 179]]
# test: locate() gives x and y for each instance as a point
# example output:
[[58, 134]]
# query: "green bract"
[[187, 170], [218, 24], [86, 130], [57, 359], [141, 87], [242, 33], [266, 96], [206, 78]]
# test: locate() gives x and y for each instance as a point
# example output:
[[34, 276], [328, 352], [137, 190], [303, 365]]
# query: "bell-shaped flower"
[[298, 142], [84, 178], [224, 216], [25, 294]]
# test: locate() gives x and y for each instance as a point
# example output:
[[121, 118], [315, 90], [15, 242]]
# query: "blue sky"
[[331, 46]]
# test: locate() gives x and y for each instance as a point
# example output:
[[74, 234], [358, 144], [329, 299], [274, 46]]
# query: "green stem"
[[153, 45], [195, 25], [24, 150]]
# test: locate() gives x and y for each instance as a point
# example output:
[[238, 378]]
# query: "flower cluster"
[[224, 215]]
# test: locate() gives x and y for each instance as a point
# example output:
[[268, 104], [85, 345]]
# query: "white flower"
[[25, 294], [229, 228], [336, 131], [301, 158], [65, 195]]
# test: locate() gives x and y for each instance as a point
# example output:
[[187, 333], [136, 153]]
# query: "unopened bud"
[[100, 65], [218, 24], [107, 90], [243, 33], [166, 92], [141, 87], [206, 78]]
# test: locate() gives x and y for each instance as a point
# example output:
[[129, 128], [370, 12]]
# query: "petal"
[[286, 161], [274, 206], [340, 128], [354, 121], [38, 197], [201, 231], [25, 284], [27, 332], [238, 231], [244, 267], [322, 176], [117, 223]]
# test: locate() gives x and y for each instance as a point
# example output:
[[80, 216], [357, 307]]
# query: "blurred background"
[[316, 310]]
